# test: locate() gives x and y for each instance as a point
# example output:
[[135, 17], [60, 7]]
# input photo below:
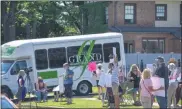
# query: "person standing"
[[109, 86], [21, 87], [171, 92], [115, 81], [134, 76], [162, 72], [68, 82], [146, 89], [98, 74], [101, 82]]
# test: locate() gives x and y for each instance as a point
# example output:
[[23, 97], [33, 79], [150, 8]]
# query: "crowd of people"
[[142, 83], [114, 77]]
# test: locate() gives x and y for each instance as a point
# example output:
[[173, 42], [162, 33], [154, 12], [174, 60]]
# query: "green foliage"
[[45, 18], [94, 19]]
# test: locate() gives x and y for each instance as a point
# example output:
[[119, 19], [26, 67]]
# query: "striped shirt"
[[115, 71]]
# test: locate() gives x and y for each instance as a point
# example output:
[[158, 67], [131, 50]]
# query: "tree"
[[39, 19]]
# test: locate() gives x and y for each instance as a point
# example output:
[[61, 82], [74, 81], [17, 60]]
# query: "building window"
[[57, 57], [130, 13], [96, 55], [108, 49], [41, 59], [72, 52], [153, 45], [161, 12], [128, 47], [106, 15]]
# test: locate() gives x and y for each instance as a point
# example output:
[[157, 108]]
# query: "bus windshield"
[[5, 65]]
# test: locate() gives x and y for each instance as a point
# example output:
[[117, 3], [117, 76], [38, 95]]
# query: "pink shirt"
[[174, 75], [144, 92]]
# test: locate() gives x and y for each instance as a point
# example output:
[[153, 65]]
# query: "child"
[[109, 86]]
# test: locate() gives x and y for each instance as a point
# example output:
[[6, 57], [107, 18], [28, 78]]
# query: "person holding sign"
[[68, 82], [146, 89], [162, 72], [115, 78]]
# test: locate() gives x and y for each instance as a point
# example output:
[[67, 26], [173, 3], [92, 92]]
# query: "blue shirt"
[[67, 79]]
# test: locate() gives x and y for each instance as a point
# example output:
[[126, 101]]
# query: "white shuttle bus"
[[46, 56]]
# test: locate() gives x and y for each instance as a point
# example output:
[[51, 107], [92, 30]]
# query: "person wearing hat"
[[101, 81], [163, 72], [98, 74], [21, 87], [68, 82], [173, 84]]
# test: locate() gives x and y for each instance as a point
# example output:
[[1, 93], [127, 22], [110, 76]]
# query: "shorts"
[[97, 81], [115, 89]]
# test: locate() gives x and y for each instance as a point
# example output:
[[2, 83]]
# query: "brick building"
[[151, 26]]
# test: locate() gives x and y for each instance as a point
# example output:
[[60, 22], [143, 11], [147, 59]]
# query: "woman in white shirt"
[[173, 85], [99, 73]]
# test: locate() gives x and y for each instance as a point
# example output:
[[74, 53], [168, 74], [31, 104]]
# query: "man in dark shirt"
[[162, 72]]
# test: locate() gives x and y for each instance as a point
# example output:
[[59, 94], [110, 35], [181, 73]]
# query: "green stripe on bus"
[[48, 74]]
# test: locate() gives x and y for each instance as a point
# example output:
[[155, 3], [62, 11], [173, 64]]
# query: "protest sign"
[[157, 83]]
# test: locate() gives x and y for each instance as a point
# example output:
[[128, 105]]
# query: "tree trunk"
[[28, 31], [34, 30], [6, 28], [12, 20], [4, 21]]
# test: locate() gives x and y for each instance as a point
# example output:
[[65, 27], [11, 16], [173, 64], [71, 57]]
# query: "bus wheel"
[[83, 88]]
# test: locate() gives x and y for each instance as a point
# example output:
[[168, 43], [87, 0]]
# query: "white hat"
[[21, 73], [99, 65]]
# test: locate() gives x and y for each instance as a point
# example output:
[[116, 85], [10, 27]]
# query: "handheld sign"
[[157, 83], [114, 50]]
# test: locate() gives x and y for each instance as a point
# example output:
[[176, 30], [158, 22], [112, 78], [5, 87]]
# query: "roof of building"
[[176, 31]]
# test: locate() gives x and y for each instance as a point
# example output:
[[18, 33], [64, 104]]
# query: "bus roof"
[[64, 38]]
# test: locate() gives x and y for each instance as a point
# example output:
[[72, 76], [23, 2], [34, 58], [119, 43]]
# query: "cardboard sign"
[[157, 83], [111, 61], [114, 51]]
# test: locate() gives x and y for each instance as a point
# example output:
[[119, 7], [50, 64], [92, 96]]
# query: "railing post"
[[179, 63], [141, 65]]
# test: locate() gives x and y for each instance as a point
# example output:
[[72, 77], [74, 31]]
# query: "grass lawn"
[[78, 102]]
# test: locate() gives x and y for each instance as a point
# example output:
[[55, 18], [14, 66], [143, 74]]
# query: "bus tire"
[[7, 92], [83, 88]]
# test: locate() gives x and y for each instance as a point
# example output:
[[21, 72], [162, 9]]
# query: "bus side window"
[[41, 59], [57, 57], [97, 54], [72, 52], [19, 65], [107, 48]]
